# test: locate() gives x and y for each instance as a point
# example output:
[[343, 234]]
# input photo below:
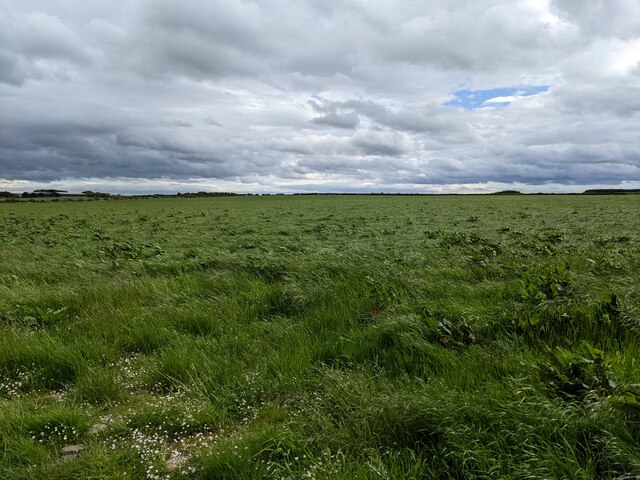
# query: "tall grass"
[[321, 337]]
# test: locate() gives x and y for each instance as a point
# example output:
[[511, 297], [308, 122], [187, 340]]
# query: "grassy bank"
[[321, 337]]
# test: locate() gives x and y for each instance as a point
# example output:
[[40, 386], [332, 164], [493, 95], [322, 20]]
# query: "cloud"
[[40, 46], [339, 120], [46, 36], [314, 94], [384, 143], [608, 18], [11, 70]]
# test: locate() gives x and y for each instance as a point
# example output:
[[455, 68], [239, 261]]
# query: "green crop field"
[[321, 337]]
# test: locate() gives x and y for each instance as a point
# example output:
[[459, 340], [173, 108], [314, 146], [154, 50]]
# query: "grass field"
[[321, 337]]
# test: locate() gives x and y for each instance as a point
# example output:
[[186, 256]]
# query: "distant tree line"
[[43, 193], [508, 192], [50, 192], [206, 194], [611, 191], [92, 194], [89, 194]]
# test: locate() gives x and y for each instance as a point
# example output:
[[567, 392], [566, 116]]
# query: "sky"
[[271, 96]]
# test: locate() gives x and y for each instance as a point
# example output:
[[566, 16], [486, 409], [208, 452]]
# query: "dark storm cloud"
[[48, 159], [286, 95]]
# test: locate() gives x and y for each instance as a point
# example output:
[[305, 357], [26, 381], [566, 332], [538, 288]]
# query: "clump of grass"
[[139, 338], [59, 426], [47, 363], [570, 322], [200, 324], [99, 386]]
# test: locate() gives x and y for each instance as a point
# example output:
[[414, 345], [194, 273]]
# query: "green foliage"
[[545, 283], [36, 316], [576, 375], [601, 323], [626, 401], [321, 337], [454, 333]]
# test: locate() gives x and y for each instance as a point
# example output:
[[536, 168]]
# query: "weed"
[[545, 283], [576, 375]]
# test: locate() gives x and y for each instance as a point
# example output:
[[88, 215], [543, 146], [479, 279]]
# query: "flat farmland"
[[321, 337]]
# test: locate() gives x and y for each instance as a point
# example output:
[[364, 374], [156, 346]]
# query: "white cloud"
[[318, 94]]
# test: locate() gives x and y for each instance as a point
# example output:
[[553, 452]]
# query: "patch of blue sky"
[[493, 97]]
